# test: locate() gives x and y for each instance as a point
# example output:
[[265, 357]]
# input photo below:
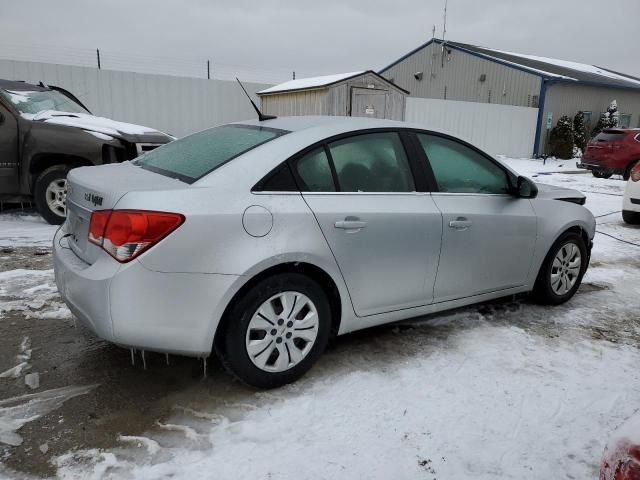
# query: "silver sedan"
[[259, 241]]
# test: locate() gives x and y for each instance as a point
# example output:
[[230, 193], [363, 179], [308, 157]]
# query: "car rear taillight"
[[635, 173], [125, 234]]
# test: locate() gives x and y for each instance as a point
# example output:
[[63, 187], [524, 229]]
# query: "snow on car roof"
[[84, 121], [310, 82]]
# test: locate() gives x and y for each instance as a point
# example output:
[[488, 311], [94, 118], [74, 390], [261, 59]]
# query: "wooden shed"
[[355, 94]]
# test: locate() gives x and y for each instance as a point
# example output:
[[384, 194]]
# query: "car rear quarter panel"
[[213, 239]]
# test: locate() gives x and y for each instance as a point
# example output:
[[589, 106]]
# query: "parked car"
[[631, 202], [46, 131], [621, 458], [260, 240], [612, 151]]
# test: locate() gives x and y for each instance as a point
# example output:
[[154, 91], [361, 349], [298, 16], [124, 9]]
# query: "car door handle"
[[350, 224], [460, 223]]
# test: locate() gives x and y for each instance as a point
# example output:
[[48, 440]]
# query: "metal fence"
[[177, 105], [497, 129]]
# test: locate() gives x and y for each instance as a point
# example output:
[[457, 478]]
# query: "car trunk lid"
[[100, 188]]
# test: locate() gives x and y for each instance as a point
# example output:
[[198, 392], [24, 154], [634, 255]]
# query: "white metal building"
[[457, 71]]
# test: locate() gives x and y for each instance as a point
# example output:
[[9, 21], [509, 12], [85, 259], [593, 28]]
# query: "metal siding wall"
[[567, 99], [496, 129], [177, 105], [308, 102], [460, 74]]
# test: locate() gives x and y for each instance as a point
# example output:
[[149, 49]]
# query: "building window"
[[535, 101], [624, 120], [587, 119]]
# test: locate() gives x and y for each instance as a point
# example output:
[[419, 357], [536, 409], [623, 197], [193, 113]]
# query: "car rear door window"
[[315, 172], [460, 169], [192, 157], [374, 162]]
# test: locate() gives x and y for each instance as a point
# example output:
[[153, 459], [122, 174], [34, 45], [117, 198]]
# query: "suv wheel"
[[50, 194], [277, 331], [598, 174], [562, 270]]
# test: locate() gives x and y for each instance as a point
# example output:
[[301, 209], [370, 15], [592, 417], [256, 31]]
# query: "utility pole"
[[208, 70], [294, 75], [98, 56]]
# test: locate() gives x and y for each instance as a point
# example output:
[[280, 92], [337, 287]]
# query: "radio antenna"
[[444, 27], [261, 116]]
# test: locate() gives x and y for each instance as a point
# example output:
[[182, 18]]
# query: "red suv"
[[613, 151]]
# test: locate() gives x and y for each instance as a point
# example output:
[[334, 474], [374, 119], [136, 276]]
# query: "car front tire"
[[562, 270], [50, 193], [276, 331], [632, 218]]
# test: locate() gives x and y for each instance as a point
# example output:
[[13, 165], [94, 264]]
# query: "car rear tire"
[[562, 270], [50, 193], [627, 172], [276, 331], [600, 174], [632, 218]]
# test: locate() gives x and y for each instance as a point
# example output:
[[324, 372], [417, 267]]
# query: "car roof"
[[297, 123], [334, 124], [21, 86]]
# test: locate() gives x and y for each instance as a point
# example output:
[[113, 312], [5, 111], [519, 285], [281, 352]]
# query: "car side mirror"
[[526, 188]]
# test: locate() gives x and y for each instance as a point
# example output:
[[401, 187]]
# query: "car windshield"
[[31, 101], [192, 157]]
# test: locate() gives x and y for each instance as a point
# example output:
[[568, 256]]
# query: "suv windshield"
[[26, 101], [192, 157]]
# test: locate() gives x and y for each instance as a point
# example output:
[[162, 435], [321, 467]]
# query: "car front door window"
[[459, 169]]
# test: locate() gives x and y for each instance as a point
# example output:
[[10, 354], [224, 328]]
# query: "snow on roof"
[[311, 82], [580, 67], [536, 70]]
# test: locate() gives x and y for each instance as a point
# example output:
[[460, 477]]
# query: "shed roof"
[[549, 68], [321, 82]]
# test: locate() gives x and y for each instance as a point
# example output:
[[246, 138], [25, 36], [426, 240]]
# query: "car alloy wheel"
[[56, 196], [282, 331], [565, 269]]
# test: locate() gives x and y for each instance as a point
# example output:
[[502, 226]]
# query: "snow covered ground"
[[505, 390]]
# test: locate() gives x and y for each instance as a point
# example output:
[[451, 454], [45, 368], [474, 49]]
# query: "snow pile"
[[18, 411], [32, 292], [25, 230]]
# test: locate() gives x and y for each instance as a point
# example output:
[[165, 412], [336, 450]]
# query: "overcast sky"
[[312, 36]]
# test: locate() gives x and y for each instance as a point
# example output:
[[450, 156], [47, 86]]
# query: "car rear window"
[[610, 136], [193, 157]]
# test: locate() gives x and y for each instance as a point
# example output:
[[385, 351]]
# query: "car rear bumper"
[[132, 306], [599, 168]]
